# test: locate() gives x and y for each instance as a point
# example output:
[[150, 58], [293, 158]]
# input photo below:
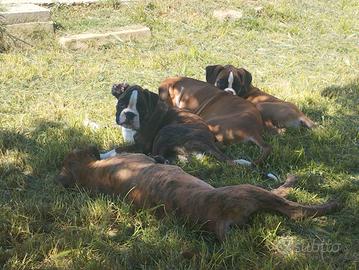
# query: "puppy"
[[276, 113], [230, 119], [159, 129], [146, 184]]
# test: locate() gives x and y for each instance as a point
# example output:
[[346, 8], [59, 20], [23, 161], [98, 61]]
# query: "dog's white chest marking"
[[230, 84], [128, 135]]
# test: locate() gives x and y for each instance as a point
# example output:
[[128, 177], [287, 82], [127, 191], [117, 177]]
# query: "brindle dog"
[[146, 184]]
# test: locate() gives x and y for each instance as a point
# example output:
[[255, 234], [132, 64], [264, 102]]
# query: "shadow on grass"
[[55, 217], [347, 95], [44, 147], [334, 143], [48, 208]]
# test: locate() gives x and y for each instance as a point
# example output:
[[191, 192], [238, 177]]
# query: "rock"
[[227, 15], [134, 32], [25, 13], [31, 27], [258, 9], [63, 2]]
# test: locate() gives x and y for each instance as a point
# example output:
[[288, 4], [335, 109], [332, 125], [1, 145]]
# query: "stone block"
[[63, 2], [28, 28], [134, 32], [24, 13]]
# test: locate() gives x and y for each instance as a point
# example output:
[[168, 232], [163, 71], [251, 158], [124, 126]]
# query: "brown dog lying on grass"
[[147, 184], [276, 113]]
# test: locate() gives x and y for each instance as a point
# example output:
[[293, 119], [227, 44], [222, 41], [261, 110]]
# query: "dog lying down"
[[147, 184], [160, 130]]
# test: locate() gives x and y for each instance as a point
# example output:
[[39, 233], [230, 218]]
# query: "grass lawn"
[[303, 51]]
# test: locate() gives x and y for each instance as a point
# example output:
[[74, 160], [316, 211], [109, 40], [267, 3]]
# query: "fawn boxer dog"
[[230, 119], [276, 113], [146, 184], [161, 130]]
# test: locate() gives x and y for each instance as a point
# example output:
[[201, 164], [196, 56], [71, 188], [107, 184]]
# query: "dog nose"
[[130, 115]]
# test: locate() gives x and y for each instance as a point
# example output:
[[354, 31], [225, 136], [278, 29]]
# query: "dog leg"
[[266, 149], [273, 129], [271, 201], [160, 159], [129, 148], [239, 202], [284, 189], [306, 122]]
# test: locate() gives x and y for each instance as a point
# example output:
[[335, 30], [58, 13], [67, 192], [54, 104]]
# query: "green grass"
[[303, 51]]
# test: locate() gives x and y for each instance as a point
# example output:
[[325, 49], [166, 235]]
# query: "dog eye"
[[121, 105]]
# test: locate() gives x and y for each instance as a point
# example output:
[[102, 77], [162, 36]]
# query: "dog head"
[[229, 78], [74, 163], [134, 105]]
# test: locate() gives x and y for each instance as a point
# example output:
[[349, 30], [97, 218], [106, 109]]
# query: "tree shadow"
[[334, 143], [44, 148], [347, 95]]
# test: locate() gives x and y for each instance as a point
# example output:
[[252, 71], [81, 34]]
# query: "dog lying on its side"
[[276, 113], [146, 184], [230, 119]]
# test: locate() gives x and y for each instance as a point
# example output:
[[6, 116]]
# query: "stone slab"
[[31, 27], [24, 13], [52, 2], [227, 14], [126, 33]]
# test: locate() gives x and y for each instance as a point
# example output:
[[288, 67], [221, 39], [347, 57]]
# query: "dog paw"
[[242, 162], [161, 160]]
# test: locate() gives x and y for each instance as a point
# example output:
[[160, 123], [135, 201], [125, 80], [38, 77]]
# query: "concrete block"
[[31, 27], [134, 32], [227, 15], [51, 2], [25, 13]]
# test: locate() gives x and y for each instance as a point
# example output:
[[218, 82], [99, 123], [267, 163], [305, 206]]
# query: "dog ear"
[[212, 73], [245, 78], [163, 92], [150, 100], [65, 178], [118, 89]]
